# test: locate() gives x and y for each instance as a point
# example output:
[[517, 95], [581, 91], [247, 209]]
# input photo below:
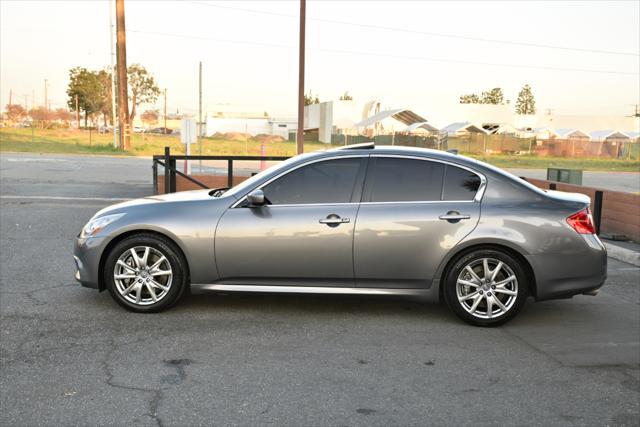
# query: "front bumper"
[[565, 275], [86, 255]]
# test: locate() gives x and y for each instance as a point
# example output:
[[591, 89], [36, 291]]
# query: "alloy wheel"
[[487, 288], [143, 275]]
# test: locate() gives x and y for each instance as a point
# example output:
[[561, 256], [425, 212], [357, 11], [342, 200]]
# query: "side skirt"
[[313, 290]]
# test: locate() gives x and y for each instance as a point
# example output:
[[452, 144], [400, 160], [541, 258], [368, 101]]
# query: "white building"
[[250, 125]]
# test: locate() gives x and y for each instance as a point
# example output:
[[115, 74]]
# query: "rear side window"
[[405, 180], [330, 181], [460, 184]]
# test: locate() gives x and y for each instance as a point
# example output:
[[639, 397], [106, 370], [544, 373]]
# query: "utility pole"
[[45, 95], [123, 98], [10, 96], [113, 77], [165, 112], [300, 134], [77, 113], [33, 99], [200, 133]]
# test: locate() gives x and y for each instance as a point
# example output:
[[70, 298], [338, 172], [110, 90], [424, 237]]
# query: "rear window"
[[460, 184], [406, 180]]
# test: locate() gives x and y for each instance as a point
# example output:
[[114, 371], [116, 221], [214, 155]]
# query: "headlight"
[[94, 226]]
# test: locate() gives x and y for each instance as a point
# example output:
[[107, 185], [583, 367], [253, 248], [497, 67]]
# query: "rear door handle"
[[333, 220], [453, 216]]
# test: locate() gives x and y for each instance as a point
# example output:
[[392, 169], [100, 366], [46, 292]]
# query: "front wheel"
[[486, 287], [145, 273]]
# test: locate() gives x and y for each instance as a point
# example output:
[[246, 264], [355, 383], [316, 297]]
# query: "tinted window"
[[406, 180], [331, 181], [460, 184]]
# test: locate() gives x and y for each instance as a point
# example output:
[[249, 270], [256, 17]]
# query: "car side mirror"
[[256, 198]]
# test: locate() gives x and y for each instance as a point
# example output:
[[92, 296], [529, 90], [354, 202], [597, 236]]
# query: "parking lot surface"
[[70, 355]]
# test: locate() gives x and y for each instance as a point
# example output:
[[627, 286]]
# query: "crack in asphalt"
[[156, 398], [157, 393], [32, 297]]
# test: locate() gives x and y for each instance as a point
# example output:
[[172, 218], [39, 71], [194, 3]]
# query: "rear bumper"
[[564, 275], [86, 255]]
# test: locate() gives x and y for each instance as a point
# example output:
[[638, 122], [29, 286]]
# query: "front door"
[[303, 236], [413, 213]]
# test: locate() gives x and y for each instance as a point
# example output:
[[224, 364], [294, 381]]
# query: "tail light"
[[582, 222]]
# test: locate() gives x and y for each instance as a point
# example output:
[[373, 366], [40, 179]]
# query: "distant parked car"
[[160, 130], [357, 220], [138, 129]]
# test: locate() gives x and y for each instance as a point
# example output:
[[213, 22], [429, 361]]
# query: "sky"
[[580, 58]]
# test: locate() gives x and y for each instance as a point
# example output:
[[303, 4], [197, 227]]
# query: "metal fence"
[[173, 176]]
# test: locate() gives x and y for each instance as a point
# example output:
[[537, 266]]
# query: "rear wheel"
[[145, 273], [486, 287]]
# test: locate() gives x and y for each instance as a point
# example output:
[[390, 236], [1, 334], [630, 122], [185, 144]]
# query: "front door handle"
[[333, 220], [453, 216]]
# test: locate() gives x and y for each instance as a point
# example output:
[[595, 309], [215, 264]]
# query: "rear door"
[[304, 237], [414, 210]]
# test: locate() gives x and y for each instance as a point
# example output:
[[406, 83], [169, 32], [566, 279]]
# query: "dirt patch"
[[232, 136], [268, 138]]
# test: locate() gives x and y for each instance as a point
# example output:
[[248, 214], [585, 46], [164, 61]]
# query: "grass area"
[[534, 162], [81, 142]]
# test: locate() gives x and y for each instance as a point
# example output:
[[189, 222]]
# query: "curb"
[[622, 254]]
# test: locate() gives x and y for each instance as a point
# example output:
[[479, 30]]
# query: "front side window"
[[405, 180], [329, 181], [460, 184]]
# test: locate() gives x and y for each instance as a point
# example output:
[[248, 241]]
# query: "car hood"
[[182, 196]]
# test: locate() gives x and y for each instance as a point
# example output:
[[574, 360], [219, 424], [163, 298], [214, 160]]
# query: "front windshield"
[[244, 186]]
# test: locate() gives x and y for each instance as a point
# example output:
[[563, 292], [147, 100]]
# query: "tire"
[[479, 298], [145, 285]]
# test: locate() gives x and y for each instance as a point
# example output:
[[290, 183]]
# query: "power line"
[[425, 33], [383, 55]]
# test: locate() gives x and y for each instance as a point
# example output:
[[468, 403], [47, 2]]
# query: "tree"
[[93, 90], [105, 94], [142, 88], [62, 114], [526, 103], [346, 97], [15, 112], [311, 99], [41, 115], [493, 96], [150, 117], [470, 99]]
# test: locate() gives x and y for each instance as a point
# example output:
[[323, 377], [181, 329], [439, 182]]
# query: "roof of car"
[[370, 148]]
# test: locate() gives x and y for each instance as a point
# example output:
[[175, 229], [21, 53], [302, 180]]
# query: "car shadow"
[[317, 304]]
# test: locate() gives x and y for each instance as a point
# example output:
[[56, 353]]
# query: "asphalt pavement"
[[71, 356]]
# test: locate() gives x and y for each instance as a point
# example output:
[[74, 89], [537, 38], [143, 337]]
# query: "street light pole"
[[300, 134]]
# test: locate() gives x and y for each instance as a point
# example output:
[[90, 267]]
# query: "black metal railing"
[[168, 162]]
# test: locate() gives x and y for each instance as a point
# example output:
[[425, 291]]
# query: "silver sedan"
[[358, 220]]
